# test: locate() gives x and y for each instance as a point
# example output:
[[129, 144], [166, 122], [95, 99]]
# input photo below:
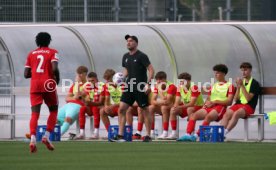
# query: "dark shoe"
[[147, 139], [72, 136], [118, 138]]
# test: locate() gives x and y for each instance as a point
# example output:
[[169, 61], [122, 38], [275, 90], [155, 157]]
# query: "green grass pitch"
[[138, 155]]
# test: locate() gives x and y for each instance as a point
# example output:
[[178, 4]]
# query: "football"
[[118, 78]]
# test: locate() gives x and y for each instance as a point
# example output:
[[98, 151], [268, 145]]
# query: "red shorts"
[[185, 113], [221, 109], [94, 110], [115, 111], [50, 98], [248, 109]]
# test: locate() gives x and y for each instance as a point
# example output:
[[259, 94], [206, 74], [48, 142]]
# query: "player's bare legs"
[[104, 117], [235, 118], [211, 116], [152, 110], [226, 117], [147, 117], [122, 117], [129, 115]]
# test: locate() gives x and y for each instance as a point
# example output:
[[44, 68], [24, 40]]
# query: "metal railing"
[[130, 10]]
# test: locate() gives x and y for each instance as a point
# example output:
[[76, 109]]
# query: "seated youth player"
[[246, 97], [75, 99], [162, 100], [188, 100], [113, 95], [220, 96], [96, 92]]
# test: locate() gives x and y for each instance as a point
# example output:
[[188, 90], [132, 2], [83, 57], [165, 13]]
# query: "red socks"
[[52, 119], [152, 125], [173, 124], [140, 126], [96, 114], [33, 123], [191, 126], [166, 126], [82, 117]]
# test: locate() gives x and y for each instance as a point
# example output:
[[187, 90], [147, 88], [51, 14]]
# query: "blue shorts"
[[70, 110]]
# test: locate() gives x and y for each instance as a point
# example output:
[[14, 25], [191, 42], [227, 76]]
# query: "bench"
[[260, 116], [7, 116], [11, 118]]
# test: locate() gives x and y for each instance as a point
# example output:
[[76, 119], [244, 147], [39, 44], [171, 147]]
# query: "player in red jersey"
[[188, 100], [162, 100], [113, 94], [96, 92], [42, 67]]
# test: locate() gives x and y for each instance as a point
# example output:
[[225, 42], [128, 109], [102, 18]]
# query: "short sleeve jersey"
[[171, 90], [136, 66], [254, 89], [39, 61]]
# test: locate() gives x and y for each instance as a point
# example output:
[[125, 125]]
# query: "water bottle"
[[155, 134]]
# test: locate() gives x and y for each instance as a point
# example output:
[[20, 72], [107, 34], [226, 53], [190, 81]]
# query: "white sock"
[[81, 131], [33, 139], [165, 132], [47, 134], [173, 132], [151, 131], [138, 132], [96, 131], [226, 132]]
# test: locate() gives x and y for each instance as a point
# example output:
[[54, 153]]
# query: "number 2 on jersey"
[[41, 59]]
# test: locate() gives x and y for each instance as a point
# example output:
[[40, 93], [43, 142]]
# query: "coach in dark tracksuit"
[[135, 64]]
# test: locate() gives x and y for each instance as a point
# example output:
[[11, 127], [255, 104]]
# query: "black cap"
[[132, 37]]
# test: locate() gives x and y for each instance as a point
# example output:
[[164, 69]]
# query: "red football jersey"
[[40, 61]]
